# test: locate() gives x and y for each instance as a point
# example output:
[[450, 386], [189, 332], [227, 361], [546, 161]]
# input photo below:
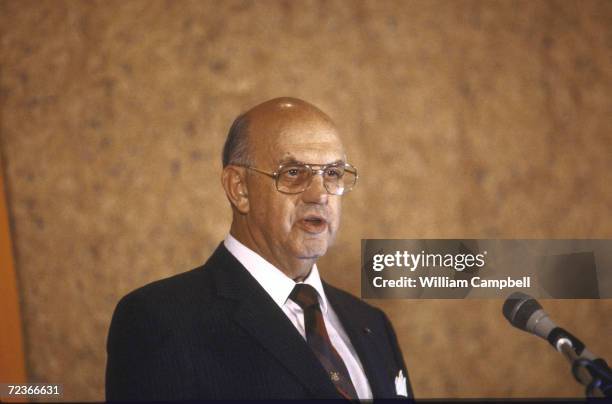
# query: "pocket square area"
[[400, 385]]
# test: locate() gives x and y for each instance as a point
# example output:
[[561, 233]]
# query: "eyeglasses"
[[294, 178]]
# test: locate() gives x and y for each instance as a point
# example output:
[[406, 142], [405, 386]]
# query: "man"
[[256, 321]]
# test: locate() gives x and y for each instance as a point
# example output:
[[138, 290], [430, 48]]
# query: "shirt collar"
[[273, 280]]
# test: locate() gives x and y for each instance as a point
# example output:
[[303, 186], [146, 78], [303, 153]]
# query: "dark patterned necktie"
[[318, 340]]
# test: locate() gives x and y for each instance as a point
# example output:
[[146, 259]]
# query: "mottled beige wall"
[[467, 119]]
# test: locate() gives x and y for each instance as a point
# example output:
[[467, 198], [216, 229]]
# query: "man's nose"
[[316, 192]]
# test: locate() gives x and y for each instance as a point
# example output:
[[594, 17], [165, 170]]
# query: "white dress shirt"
[[279, 286]]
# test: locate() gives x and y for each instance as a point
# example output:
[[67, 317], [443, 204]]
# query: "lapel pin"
[[367, 330], [400, 385]]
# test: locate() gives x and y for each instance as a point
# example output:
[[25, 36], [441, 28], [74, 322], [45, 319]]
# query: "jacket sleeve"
[[397, 351], [135, 368]]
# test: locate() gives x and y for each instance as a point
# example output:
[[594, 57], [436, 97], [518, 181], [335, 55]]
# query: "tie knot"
[[304, 295]]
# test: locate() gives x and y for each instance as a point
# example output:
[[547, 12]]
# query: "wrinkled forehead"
[[302, 138]]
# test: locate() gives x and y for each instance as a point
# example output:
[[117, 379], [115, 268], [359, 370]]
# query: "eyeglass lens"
[[296, 178]]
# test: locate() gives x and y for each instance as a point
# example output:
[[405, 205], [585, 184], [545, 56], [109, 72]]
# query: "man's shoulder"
[[180, 281], [197, 283], [170, 291]]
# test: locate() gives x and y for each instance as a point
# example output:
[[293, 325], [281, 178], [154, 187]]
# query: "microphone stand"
[[601, 383], [595, 374]]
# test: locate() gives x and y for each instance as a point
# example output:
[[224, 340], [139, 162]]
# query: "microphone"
[[525, 313]]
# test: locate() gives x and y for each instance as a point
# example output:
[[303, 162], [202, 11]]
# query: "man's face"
[[286, 227]]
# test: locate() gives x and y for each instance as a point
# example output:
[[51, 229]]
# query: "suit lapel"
[[365, 343], [261, 317]]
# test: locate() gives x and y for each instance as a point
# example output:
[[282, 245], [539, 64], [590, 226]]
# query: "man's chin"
[[312, 249]]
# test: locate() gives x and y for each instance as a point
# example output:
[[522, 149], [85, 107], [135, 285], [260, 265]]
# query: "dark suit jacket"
[[214, 333]]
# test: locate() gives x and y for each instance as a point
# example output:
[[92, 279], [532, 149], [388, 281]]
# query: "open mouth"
[[314, 224]]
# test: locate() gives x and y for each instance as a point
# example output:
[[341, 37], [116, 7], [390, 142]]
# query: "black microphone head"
[[518, 307]]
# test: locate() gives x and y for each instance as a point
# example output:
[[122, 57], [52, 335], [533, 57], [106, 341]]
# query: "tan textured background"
[[492, 117]]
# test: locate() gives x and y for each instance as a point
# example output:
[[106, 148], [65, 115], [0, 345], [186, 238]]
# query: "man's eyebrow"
[[293, 160], [289, 159]]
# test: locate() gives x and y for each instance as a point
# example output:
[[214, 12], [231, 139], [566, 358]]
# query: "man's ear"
[[234, 183]]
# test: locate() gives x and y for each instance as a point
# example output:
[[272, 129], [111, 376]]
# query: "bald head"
[[262, 125], [281, 111]]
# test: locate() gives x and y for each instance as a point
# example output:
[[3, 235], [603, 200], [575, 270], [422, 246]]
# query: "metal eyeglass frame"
[[321, 170]]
